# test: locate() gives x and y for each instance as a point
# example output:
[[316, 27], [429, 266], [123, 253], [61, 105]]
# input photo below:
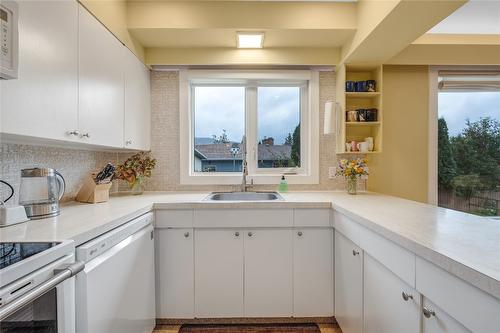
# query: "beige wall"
[[402, 169], [165, 137]]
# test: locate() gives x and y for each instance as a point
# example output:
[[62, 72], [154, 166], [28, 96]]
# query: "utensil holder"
[[90, 192]]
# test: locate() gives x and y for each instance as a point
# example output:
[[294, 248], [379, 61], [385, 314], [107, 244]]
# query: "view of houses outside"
[[220, 126], [469, 152]]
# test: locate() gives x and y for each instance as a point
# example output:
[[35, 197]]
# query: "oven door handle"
[[41, 289]]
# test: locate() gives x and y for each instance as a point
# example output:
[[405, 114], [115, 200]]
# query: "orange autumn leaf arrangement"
[[135, 169]]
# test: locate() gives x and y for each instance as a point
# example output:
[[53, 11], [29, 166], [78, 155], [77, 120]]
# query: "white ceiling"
[[475, 17]]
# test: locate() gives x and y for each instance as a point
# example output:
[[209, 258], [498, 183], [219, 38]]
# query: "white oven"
[[43, 300]]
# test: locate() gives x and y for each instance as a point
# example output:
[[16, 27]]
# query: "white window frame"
[[307, 173], [432, 183]]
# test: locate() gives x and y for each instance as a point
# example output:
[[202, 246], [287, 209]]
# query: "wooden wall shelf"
[[358, 131]]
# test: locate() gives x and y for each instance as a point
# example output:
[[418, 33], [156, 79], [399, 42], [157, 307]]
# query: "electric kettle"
[[40, 192]]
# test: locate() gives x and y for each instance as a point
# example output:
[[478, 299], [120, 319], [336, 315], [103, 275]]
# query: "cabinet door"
[[101, 83], [385, 308], [436, 320], [268, 273], [175, 273], [219, 273], [348, 285], [43, 101], [137, 133], [313, 261]]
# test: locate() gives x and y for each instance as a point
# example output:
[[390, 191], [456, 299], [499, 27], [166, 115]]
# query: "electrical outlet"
[[331, 172]]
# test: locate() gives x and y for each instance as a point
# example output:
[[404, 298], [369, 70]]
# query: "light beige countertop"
[[462, 244]]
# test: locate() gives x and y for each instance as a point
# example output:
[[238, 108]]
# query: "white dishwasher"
[[116, 291]]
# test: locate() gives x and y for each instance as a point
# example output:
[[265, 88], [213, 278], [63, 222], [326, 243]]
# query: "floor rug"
[[251, 328]]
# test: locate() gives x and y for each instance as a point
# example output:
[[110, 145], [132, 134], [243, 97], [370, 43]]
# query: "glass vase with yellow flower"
[[352, 171]]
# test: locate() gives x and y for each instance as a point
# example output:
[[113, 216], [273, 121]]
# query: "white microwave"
[[9, 40]]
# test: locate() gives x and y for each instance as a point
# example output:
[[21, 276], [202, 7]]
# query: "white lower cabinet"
[[348, 285], [218, 273], [313, 272], [268, 273], [175, 273], [436, 320], [390, 305]]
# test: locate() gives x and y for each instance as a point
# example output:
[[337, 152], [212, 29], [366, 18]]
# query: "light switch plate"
[[331, 172]]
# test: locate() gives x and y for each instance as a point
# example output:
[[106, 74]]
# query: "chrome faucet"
[[244, 186]]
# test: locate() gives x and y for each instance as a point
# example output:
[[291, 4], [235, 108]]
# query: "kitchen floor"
[[322, 328]]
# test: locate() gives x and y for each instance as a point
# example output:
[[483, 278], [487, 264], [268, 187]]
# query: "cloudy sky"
[[456, 108], [219, 108]]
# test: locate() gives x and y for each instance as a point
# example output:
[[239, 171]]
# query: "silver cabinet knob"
[[186, 234], [428, 312], [406, 296], [355, 253], [299, 233], [250, 234], [128, 142], [86, 135], [237, 234], [73, 132]]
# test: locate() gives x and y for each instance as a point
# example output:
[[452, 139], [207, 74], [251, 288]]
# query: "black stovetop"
[[11, 253]]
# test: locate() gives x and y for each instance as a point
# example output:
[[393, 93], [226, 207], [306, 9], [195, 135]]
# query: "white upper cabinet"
[[137, 103], [268, 273], [101, 83], [390, 305], [313, 272], [348, 285], [43, 101], [219, 273]]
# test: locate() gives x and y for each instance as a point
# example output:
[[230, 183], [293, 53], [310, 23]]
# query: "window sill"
[[258, 179]]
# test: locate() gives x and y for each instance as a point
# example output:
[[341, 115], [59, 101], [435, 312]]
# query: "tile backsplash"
[[166, 135], [73, 164]]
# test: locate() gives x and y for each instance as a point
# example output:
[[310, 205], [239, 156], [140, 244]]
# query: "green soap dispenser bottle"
[[283, 185]]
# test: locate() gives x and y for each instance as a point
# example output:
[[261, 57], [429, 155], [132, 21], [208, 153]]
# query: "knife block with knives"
[[96, 187]]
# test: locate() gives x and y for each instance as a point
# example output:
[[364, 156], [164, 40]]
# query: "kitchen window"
[[268, 117], [468, 141]]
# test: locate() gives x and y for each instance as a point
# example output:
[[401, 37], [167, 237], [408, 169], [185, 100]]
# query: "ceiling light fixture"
[[250, 40]]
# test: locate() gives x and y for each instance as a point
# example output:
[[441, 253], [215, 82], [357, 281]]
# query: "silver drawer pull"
[[355, 253], [299, 233], [186, 234], [85, 135], [74, 133], [406, 296], [237, 234], [428, 312], [250, 234]]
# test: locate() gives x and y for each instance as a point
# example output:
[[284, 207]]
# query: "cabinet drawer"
[[311, 217], [475, 309], [174, 218], [242, 218], [397, 259], [347, 227]]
